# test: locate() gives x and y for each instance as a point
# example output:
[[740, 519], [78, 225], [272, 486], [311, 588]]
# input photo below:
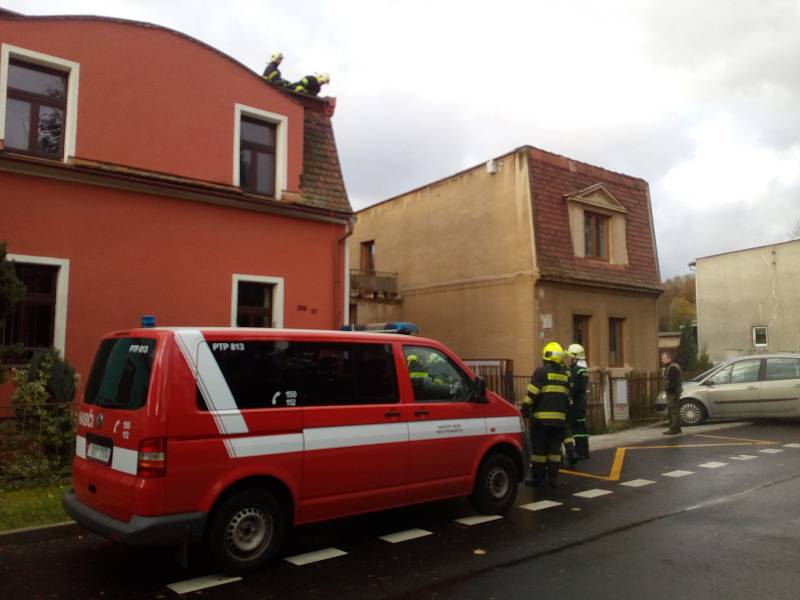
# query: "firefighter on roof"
[[546, 404], [311, 84], [272, 73]]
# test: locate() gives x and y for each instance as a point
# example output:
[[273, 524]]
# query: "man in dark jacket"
[[546, 404], [674, 388]]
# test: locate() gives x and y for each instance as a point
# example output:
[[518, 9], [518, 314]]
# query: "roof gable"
[[597, 196]]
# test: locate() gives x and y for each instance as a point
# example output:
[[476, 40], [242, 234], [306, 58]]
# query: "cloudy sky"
[[701, 99]]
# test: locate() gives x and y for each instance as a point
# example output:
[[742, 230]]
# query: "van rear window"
[[120, 375]]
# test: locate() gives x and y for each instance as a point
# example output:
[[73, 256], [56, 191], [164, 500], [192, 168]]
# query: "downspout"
[[341, 277]]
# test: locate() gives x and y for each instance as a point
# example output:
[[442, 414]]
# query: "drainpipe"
[[341, 277]]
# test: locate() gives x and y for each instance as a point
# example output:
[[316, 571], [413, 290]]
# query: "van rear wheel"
[[496, 484], [246, 531]]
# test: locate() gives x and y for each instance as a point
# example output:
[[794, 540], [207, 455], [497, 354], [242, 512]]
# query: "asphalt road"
[[726, 528]]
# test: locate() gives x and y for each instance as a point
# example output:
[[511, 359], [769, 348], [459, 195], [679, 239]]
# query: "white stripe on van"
[[431, 430], [80, 446], [324, 438], [211, 382], [503, 425], [262, 445], [125, 460]]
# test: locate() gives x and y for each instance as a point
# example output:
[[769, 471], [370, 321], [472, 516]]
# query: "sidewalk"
[[652, 432]]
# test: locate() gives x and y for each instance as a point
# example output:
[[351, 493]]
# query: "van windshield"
[[120, 376]]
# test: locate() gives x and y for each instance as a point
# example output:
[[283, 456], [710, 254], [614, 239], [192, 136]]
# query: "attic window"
[[595, 227], [598, 224], [260, 151]]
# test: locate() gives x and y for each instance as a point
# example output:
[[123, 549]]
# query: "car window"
[[783, 368], [278, 374], [434, 377], [722, 376], [745, 371]]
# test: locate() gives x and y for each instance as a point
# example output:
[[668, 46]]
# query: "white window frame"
[[281, 123], [766, 336], [277, 296], [62, 293], [71, 68]]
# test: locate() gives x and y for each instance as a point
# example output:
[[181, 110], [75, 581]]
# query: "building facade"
[[503, 257], [748, 301], [144, 172]]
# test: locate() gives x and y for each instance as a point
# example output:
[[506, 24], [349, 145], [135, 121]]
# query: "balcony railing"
[[373, 284]]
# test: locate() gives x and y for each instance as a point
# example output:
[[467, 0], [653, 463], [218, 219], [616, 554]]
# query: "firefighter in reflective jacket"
[[311, 84], [576, 417], [416, 370], [546, 405], [272, 73]]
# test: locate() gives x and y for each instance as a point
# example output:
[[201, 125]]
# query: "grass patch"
[[31, 507]]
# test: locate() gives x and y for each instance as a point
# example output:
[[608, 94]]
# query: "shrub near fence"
[[36, 441]]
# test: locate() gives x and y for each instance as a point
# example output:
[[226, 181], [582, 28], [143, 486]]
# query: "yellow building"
[[501, 258]]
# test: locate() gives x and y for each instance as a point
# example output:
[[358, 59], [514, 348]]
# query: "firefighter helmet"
[[576, 351], [323, 78], [277, 57], [553, 352]]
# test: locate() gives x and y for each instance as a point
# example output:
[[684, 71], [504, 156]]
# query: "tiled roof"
[[551, 178], [321, 183]]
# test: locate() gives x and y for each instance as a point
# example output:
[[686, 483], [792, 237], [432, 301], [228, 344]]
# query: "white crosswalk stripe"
[[635, 483], [713, 465], [541, 505], [678, 473], [770, 450], [593, 493], [312, 557], [477, 519], [404, 536]]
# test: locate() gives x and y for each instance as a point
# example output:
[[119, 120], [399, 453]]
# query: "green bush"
[[42, 404]]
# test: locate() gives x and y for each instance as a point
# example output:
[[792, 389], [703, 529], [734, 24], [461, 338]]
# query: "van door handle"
[[392, 413], [421, 413]]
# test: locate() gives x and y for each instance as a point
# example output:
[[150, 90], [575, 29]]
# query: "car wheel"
[[246, 531], [692, 412], [496, 484]]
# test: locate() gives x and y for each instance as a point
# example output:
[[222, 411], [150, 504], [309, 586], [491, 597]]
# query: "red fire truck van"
[[229, 436]]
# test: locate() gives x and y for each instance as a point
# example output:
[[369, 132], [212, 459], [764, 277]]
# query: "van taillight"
[[152, 457]]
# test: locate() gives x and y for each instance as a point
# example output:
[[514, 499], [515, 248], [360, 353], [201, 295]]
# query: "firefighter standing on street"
[[546, 406], [579, 379], [674, 388]]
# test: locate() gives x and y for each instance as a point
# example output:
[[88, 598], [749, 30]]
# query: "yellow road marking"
[[619, 456]]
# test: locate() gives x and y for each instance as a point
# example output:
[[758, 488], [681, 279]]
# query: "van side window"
[[267, 374], [434, 377]]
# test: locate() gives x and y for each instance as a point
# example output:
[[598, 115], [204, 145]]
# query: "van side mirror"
[[479, 394]]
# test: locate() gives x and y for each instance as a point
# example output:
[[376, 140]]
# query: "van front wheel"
[[496, 485], [246, 532]]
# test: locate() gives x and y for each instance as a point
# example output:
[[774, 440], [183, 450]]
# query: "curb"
[[40, 533]]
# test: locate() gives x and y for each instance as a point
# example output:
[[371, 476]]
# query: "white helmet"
[[323, 78], [576, 351]]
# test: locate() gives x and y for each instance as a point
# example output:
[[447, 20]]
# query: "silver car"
[[766, 385]]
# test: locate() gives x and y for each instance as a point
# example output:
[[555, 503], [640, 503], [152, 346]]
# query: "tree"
[[11, 288], [677, 304], [794, 234], [687, 349]]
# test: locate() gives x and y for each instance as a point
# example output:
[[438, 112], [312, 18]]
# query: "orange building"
[[144, 172]]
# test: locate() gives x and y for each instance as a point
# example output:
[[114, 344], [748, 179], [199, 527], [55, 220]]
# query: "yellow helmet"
[[576, 351], [553, 352], [412, 358], [277, 57], [323, 78]]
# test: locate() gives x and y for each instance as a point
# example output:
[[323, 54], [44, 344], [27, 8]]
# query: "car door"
[[445, 429], [734, 391], [354, 427], [780, 388]]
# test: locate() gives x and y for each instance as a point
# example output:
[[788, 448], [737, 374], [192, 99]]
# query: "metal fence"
[[36, 440], [641, 392]]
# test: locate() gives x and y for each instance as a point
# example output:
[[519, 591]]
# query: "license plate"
[[100, 453]]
